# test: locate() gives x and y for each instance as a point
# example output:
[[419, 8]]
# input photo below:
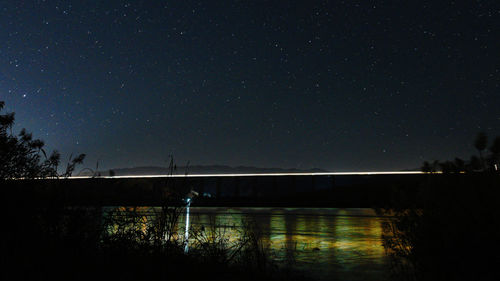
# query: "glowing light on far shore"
[[263, 174]]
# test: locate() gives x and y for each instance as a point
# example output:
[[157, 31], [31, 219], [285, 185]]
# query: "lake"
[[327, 243]]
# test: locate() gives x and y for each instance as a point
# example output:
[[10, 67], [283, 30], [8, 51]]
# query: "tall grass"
[[132, 243], [228, 251]]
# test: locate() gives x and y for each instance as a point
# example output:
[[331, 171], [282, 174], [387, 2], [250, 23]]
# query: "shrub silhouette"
[[475, 164], [23, 157], [480, 144], [494, 159], [432, 236], [50, 239]]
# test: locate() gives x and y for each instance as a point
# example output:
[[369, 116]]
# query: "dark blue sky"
[[360, 85]]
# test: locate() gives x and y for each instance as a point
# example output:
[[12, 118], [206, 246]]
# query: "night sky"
[[344, 86]]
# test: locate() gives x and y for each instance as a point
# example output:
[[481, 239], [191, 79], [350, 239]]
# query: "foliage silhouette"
[[49, 239], [475, 164], [22, 157], [480, 144], [433, 236], [494, 159]]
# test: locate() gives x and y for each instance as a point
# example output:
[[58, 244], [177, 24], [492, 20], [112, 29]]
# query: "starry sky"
[[338, 85]]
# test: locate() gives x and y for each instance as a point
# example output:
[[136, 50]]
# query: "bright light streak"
[[263, 175], [186, 233]]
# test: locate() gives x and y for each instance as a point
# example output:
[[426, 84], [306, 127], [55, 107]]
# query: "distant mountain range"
[[199, 169]]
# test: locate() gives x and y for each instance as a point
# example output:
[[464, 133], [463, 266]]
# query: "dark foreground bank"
[[443, 228], [66, 243], [448, 230]]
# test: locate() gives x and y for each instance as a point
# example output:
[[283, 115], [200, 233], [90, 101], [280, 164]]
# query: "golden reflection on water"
[[342, 243]]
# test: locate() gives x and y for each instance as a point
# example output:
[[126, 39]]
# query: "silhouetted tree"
[[474, 163], [448, 167], [430, 167], [459, 165], [480, 144], [24, 157], [428, 235], [489, 162], [426, 167]]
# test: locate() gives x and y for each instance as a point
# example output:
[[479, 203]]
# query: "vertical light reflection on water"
[[358, 247], [186, 230], [342, 244], [277, 231]]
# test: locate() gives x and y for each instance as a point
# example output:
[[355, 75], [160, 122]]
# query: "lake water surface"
[[327, 244]]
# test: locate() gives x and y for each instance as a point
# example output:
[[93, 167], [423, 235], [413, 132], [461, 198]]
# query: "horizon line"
[[256, 174]]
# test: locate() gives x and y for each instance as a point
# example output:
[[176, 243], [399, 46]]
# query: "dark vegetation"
[[48, 238], [481, 163], [449, 228], [22, 157]]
